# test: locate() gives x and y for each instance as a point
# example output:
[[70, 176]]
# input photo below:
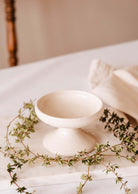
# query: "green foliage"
[[79, 188], [10, 168], [122, 130], [14, 178], [21, 190], [85, 177], [24, 126]]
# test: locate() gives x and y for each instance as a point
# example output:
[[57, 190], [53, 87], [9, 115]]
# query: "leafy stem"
[[86, 178], [113, 168], [23, 124]]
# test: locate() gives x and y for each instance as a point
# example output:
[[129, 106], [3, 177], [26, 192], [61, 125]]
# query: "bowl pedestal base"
[[68, 141]]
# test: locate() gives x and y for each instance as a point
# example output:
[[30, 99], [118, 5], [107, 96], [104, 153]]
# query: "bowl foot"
[[68, 141]]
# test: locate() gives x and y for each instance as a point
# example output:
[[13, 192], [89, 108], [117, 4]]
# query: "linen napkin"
[[116, 87]]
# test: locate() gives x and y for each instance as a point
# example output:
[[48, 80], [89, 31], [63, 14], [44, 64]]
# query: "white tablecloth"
[[33, 80]]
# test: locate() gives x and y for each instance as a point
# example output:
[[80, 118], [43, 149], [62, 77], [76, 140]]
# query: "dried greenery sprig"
[[22, 126]]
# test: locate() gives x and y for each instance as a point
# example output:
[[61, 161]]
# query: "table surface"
[[30, 81]]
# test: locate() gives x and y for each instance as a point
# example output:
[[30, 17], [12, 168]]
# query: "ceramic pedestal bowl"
[[69, 111]]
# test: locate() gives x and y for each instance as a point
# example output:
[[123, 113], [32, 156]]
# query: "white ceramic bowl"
[[68, 111]]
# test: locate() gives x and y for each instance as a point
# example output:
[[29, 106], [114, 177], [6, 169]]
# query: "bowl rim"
[[68, 119]]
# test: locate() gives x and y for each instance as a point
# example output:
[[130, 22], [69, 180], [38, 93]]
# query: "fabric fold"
[[116, 87]]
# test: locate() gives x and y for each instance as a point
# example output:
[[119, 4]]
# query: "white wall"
[[48, 28]]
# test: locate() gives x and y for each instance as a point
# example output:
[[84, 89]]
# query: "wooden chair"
[[11, 32]]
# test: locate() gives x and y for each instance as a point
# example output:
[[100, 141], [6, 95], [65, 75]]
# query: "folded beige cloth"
[[116, 87]]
